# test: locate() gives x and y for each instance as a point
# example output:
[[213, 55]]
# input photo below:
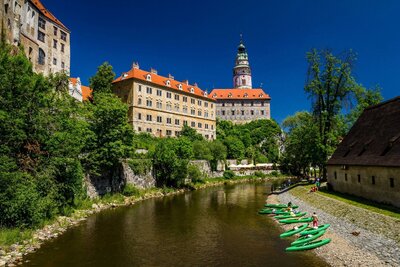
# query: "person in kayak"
[[315, 220]]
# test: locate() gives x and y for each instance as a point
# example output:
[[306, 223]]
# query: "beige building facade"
[[162, 105], [45, 39], [367, 161]]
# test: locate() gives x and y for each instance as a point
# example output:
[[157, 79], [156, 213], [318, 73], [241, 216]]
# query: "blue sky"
[[197, 40]]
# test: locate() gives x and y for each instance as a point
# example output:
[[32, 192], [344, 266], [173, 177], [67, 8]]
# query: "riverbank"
[[359, 237], [12, 255]]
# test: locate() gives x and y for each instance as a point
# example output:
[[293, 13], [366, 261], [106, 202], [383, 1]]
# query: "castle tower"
[[242, 71]]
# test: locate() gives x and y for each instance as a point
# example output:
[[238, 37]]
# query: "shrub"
[[259, 174], [131, 190], [140, 166], [194, 174], [229, 174], [274, 173]]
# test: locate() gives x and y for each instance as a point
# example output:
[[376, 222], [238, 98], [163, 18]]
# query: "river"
[[217, 226]]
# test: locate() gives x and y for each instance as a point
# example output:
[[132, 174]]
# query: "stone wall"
[[205, 168], [140, 180], [369, 182]]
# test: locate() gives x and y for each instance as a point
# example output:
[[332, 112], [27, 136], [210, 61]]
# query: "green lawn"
[[360, 202]]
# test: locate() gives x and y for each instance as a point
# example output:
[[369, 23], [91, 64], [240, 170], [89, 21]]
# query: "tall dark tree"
[[102, 81]]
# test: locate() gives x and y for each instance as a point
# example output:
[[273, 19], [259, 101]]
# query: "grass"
[[359, 202], [14, 235]]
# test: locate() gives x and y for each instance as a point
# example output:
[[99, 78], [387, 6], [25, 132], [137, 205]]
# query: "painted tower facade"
[[242, 71]]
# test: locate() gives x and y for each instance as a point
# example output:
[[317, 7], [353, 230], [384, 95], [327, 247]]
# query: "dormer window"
[[245, 95], [205, 94], [124, 75], [214, 95], [148, 77], [180, 86], [230, 95], [168, 83], [192, 90], [261, 95]]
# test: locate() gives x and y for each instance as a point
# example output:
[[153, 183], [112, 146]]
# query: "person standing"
[[315, 220]]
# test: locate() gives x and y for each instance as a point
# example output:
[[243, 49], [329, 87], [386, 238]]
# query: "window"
[[252, 103], [193, 112], [223, 113], [185, 122], [55, 44], [139, 101], [55, 30], [168, 83], [41, 36], [159, 105], [62, 65], [159, 92], [149, 118], [193, 124], [233, 104], [159, 119], [212, 105], [391, 181], [192, 101], [169, 120], [42, 23], [345, 176], [42, 57], [212, 127], [206, 104], [199, 125], [373, 180], [176, 122], [206, 114], [262, 103], [139, 129], [149, 130], [169, 132], [199, 102], [180, 86], [139, 88], [169, 106], [242, 112], [199, 113], [63, 36], [149, 103], [139, 116], [176, 97], [206, 126], [185, 110], [232, 112], [223, 104], [149, 90], [177, 133], [184, 99], [252, 112], [262, 112], [335, 174], [54, 61], [169, 95], [177, 107], [62, 47], [359, 178]]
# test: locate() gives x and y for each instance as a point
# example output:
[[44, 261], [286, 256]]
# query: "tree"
[[235, 147], [218, 153], [201, 150], [329, 85], [102, 81], [191, 134]]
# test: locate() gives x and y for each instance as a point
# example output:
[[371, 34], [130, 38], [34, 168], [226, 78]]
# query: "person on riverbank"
[[318, 183], [315, 220]]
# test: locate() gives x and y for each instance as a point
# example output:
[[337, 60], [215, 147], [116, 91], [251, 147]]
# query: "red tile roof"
[[237, 93], [139, 74], [86, 91], [48, 14]]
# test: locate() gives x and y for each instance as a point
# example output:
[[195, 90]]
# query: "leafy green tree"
[[191, 134], [102, 81], [235, 147], [218, 152], [201, 150]]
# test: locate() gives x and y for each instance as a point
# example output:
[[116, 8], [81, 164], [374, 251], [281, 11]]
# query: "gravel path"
[[366, 249]]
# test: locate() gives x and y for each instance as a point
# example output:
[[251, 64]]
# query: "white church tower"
[[242, 71]]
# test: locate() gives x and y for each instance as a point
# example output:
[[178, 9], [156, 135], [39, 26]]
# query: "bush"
[[229, 174], [140, 166], [131, 190], [194, 174], [259, 174], [274, 173]]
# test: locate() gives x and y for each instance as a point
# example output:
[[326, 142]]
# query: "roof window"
[[192, 90], [168, 83], [148, 77], [180, 86]]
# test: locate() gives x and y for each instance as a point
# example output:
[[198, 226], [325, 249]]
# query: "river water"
[[217, 226]]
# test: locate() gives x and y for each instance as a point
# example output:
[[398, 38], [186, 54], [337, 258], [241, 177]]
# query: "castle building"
[[367, 162], [243, 103], [162, 105], [79, 91], [45, 39]]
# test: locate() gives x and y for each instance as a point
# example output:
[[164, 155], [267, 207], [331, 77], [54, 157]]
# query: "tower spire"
[[242, 71]]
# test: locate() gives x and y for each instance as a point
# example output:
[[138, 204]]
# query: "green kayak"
[[266, 211], [311, 231], [294, 231], [273, 211], [279, 206], [300, 214], [308, 238], [299, 220], [311, 245]]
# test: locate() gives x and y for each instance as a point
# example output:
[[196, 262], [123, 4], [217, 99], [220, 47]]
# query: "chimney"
[[170, 76], [186, 81], [153, 70], [135, 65]]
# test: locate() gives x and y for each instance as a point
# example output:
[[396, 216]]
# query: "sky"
[[197, 40]]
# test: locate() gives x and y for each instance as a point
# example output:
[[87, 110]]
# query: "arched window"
[[180, 86], [42, 57], [192, 90], [148, 77], [168, 83]]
